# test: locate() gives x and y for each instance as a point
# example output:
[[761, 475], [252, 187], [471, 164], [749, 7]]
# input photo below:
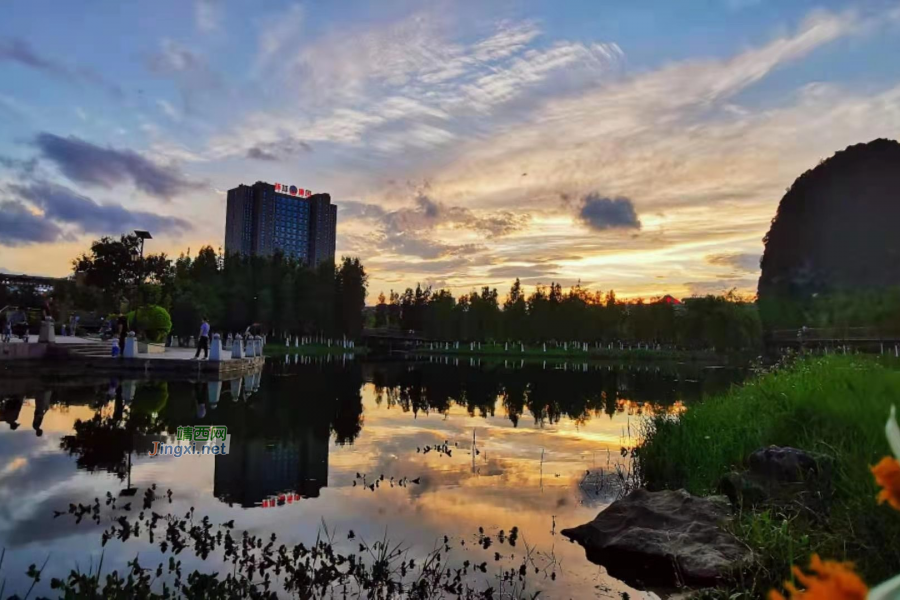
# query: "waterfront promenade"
[[93, 355]]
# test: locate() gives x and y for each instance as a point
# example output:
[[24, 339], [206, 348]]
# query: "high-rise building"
[[263, 218], [258, 470]]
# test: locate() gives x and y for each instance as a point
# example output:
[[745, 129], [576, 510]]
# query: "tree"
[[440, 322], [350, 283], [381, 311], [394, 309], [116, 267], [515, 312]]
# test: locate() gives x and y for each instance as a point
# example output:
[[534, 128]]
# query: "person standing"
[[10, 410], [122, 325], [41, 405], [47, 311], [203, 340]]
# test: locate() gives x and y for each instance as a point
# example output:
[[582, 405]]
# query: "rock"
[[781, 476], [788, 464], [663, 538]]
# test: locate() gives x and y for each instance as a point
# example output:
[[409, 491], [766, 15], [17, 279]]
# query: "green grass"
[[834, 405], [311, 350]]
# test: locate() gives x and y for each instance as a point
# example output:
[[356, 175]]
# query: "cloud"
[[719, 286], [278, 151], [426, 267], [600, 213], [427, 214], [84, 162], [394, 88], [64, 206], [260, 154], [422, 229], [351, 209], [277, 33], [413, 244], [23, 167], [630, 135], [521, 271], [207, 14], [21, 52], [19, 226], [173, 58], [169, 110], [735, 260], [188, 69]]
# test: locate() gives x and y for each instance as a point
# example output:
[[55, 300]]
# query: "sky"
[[635, 146]]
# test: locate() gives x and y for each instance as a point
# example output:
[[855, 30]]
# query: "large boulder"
[[835, 228], [782, 476], [663, 538]]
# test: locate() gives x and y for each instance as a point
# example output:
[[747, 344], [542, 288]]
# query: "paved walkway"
[[169, 354], [60, 339], [180, 354]]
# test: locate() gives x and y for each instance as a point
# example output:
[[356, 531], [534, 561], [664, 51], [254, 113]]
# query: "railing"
[[832, 334], [392, 334]]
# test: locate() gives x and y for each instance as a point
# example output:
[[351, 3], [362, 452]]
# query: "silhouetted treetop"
[[837, 227]]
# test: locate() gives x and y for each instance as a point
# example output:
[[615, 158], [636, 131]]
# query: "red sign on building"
[[292, 190]]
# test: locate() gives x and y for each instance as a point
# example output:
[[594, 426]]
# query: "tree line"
[[275, 293], [726, 322]]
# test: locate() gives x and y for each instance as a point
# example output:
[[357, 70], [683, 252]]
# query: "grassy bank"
[[311, 350], [514, 351], [834, 405]]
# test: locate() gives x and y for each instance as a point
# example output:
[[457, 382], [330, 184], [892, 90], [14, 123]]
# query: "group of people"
[[115, 327], [13, 319], [203, 338], [11, 407], [119, 328]]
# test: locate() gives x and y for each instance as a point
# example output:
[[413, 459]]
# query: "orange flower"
[[827, 580], [887, 474]]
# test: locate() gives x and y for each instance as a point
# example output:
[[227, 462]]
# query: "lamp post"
[[143, 235]]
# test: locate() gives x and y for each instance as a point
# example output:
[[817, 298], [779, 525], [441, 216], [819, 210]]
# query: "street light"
[[144, 235]]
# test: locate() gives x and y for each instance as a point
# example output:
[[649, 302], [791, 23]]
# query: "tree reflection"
[[281, 422], [105, 441], [547, 393]]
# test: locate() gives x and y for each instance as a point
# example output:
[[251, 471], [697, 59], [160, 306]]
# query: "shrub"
[[151, 398], [154, 322]]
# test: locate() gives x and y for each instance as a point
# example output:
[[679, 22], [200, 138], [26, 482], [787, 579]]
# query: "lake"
[[309, 442]]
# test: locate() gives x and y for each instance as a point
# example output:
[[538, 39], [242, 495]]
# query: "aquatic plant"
[[260, 567]]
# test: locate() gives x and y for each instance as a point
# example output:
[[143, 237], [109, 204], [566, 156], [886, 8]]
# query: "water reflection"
[[259, 472], [305, 434]]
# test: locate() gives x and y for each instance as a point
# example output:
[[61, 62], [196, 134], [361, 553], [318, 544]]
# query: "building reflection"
[[268, 473]]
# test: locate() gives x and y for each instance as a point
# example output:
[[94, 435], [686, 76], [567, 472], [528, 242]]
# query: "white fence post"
[[237, 348], [215, 349], [130, 345]]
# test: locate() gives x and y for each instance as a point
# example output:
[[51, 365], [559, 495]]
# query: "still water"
[[304, 434]]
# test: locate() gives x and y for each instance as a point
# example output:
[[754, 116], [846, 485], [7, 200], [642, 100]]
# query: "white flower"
[[892, 431], [890, 589]]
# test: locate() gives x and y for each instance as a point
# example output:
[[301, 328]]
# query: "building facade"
[[265, 472], [264, 218]]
